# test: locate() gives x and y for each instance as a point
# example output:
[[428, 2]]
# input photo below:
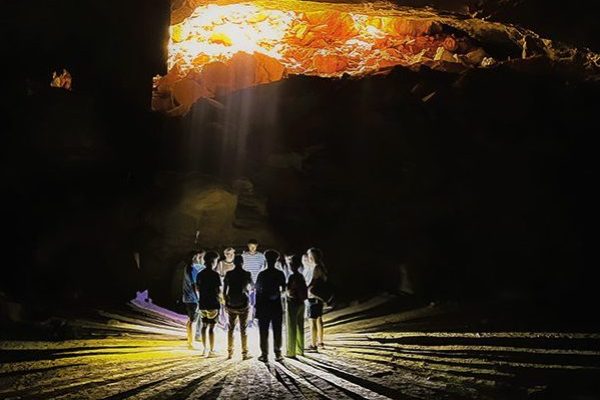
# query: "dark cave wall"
[[573, 23], [477, 192], [481, 191], [70, 160]]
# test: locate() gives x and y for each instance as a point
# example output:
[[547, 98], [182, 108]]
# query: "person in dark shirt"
[[236, 288], [269, 312], [208, 283], [297, 293]]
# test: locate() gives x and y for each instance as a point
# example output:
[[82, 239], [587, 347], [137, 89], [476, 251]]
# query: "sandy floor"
[[141, 354]]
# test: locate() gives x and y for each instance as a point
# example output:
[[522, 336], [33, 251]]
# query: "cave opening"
[[440, 156]]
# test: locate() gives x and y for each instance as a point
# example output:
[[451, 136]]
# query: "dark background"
[[483, 193]]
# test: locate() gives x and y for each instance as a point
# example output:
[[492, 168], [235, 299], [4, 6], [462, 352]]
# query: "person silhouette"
[[269, 312]]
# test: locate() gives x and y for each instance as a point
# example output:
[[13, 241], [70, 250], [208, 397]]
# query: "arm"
[[196, 285], [282, 285], [225, 286], [220, 288], [249, 283], [258, 284]]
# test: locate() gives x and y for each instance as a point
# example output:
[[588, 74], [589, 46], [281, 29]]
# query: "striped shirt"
[[254, 263]]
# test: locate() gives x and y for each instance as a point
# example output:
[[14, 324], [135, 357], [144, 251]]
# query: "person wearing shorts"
[[190, 295], [316, 298], [208, 283]]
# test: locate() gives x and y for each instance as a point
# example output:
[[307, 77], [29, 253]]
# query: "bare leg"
[[191, 332], [313, 331], [203, 330], [188, 329], [320, 330], [211, 336]]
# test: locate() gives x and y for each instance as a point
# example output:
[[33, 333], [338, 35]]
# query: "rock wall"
[[472, 185]]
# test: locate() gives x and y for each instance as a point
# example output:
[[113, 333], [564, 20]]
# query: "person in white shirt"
[[226, 264], [317, 297], [254, 262]]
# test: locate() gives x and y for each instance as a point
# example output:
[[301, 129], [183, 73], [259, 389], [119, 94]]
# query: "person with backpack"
[[269, 312], [319, 293], [236, 287], [297, 293]]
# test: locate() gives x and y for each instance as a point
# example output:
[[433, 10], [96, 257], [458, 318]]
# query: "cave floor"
[[140, 353]]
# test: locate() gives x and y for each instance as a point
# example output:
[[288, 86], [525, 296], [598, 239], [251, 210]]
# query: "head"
[[238, 261], [210, 259], [197, 257], [272, 256], [252, 245], [229, 254], [305, 262], [295, 263], [288, 258], [315, 256]]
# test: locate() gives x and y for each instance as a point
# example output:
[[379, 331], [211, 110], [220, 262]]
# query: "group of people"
[[253, 285]]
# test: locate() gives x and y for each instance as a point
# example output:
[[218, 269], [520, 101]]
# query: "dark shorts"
[[209, 316], [315, 308], [192, 311]]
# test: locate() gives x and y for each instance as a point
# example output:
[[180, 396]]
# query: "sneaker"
[[263, 358], [246, 357], [278, 357], [212, 353], [205, 352], [229, 356]]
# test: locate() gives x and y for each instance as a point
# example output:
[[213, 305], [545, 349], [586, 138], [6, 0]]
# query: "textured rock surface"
[[477, 182], [319, 42]]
